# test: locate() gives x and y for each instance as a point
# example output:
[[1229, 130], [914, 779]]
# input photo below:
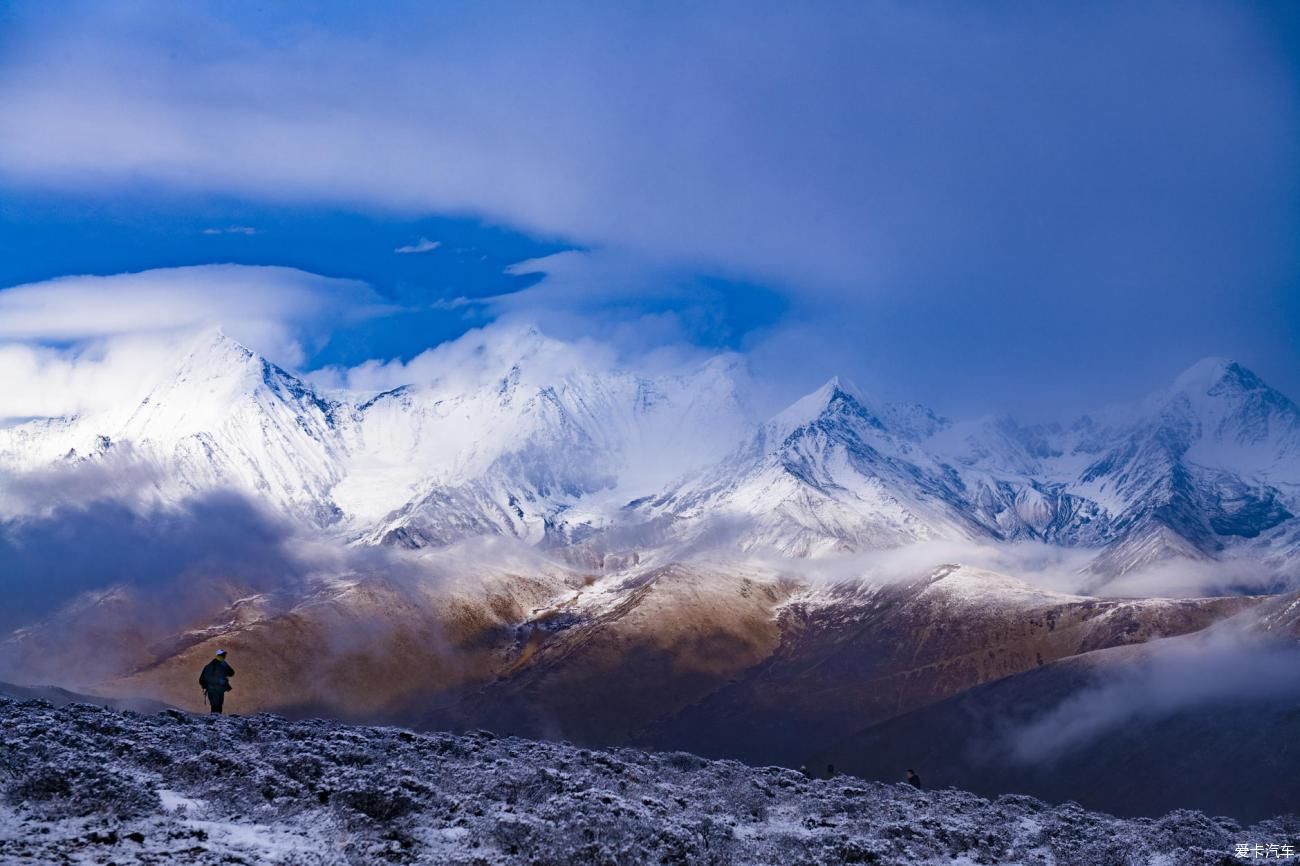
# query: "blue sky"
[[1012, 206]]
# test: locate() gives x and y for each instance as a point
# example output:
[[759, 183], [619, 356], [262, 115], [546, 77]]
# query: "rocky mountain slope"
[[727, 662], [84, 784], [749, 665], [851, 656]]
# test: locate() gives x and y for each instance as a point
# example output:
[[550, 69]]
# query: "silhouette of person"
[[913, 779], [215, 680]]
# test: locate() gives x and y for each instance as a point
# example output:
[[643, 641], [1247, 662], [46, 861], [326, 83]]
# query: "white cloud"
[[262, 304], [102, 376], [1227, 663], [1043, 566], [423, 245], [583, 292], [231, 230], [456, 303], [479, 356], [810, 146], [88, 343], [905, 175]]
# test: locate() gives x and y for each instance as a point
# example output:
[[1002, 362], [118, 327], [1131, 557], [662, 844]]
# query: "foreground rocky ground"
[[82, 784]]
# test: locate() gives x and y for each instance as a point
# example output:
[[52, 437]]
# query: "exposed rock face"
[[86, 783]]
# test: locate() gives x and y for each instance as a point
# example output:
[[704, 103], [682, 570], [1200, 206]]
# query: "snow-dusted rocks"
[[86, 784]]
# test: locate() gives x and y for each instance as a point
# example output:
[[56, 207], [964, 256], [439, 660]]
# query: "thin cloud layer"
[[239, 296], [423, 245], [231, 230]]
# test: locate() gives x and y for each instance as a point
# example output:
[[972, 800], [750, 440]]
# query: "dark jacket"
[[215, 676]]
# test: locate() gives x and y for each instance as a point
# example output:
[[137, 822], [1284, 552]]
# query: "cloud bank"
[[699, 166], [256, 301], [952, 194]]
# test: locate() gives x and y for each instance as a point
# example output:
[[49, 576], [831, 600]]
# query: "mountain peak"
[[837, 388], [522, 341], [217, 383], [1213, 374], [215, 360], [831, 398], [213, 345], [216, 367], [1205, 373], [1231, 419], [511, 355]]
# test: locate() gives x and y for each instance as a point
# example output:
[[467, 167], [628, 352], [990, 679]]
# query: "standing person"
[[215, 680], [913, 779]]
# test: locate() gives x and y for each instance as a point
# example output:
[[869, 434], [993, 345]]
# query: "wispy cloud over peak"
[[82, 343], [91, 306]]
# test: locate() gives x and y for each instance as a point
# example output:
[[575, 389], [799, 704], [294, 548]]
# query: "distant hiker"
[[803, 768], [830, 771], [215, 680], [913, 779]]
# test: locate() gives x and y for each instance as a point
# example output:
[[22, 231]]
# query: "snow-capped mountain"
[[1198, 471], [517, 455], [220, 417], [543, 461], [1212, 461], [826, 474], [557, 455]]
